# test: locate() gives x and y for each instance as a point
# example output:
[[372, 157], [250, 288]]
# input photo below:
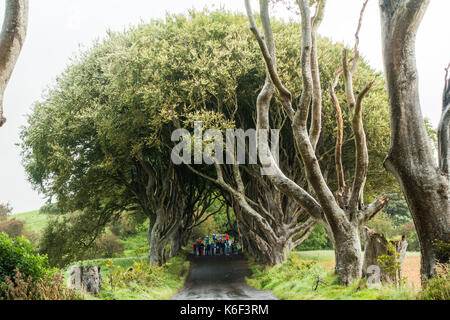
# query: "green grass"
[[166, 281], [328, 255], [316, 255], [295, 279], [135, 245], [34, 221]]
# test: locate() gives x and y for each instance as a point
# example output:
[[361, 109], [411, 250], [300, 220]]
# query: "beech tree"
[[12, 37], [100, 140], [424, 183], [342, 213]]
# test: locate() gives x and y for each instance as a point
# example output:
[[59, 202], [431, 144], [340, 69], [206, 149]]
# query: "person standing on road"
[[202, 249], [213, 247]]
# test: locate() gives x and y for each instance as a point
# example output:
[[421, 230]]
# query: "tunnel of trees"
[[99, 143]]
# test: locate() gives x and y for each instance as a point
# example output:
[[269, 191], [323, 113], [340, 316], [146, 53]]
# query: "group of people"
[[215, 246]]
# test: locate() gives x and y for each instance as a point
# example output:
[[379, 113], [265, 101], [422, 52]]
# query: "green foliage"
[[107, 246], [34, 221], [384, 224], [317, 240], [69, 238], [49, 287], [397, 209], [51, 208], [118, 102], [17, 253], [296, 279], [124, 226], [438, 288], [141, 272], [387, 224], [133, 278], [390, 263], [206, 228]]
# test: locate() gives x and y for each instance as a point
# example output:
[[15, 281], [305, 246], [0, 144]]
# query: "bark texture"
[[377, 245], [410, 159], [12, 38], [85, 278], [341, 214]]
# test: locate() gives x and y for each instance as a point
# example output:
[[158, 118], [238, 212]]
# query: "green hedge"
[[18, 253]]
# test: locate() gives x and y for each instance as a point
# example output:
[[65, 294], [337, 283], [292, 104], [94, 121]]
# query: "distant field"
[[34, 221], [410, 268]]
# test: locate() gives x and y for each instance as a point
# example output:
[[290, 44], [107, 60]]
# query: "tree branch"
[[12, 37], [316, 113], [268, 51], [340, 132], [443, 128], [362, 154], [371, 210]]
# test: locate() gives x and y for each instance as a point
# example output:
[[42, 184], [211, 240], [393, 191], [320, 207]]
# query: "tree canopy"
[[100, 141]]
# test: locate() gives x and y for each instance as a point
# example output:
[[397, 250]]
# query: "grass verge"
[[296, 278], [132, 278]]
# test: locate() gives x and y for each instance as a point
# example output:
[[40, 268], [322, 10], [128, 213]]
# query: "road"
[[220, 278]]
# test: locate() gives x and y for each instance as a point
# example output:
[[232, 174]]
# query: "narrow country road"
[[220, 278]]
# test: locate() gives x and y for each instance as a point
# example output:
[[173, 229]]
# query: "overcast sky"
[[57, 28]]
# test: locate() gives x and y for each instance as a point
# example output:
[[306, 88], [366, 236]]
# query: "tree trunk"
[[178, 239], [377, 245], [12, 38], [157, 241], [348, 255], [85, 278], [410, 158]]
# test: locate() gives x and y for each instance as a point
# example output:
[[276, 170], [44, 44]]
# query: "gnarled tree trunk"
[[410, 159], [377, 245], [343, 220]]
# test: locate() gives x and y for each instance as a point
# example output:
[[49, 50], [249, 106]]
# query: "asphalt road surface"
[[220, 278]]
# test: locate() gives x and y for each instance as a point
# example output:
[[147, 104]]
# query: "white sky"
[[58, 27]]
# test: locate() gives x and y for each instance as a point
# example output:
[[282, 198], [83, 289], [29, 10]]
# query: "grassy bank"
[[296, 279], [132, 278], [34, 221], [126, 276]]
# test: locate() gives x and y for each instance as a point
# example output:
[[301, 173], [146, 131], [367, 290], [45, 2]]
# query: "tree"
[[5, 210], [424, 184], [12, 38], [271, 223], [344, 213], [100, 141]]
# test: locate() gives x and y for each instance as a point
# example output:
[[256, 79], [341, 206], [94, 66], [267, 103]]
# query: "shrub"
[[51, 208], [17, 253], [107, 247], [438, 288], [317, 240], [141, 272], [50, 287], [13, 228], [124, 227]]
